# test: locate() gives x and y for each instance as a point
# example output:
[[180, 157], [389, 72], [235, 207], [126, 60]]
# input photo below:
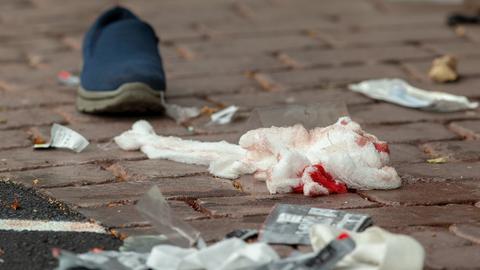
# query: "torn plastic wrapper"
[[142, 243], [105, 260], [64, 137], [290, 224], [229, 254], [224, 116], [155, 209], [376, 249], [399, 92], [179, 113], [324, 259]]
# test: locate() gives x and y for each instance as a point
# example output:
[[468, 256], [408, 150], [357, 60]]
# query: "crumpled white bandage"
[[223, 159], [314, 162], [376, 249]]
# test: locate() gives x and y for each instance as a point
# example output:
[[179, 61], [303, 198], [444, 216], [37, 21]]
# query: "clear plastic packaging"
[[399, 92], [156, 210]]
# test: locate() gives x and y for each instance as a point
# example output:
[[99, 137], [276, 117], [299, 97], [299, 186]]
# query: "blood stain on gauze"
[[316, 174], [314, 162]]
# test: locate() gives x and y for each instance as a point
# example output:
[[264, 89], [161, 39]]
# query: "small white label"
[[224, 116], [289, 218], [64, 137]]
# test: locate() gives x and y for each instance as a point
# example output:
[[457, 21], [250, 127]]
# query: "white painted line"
[[49, 226]]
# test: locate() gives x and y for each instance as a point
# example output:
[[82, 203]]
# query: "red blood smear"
[[326, 180], [382, 147], [63, 74], [298, 189], [343, 236]]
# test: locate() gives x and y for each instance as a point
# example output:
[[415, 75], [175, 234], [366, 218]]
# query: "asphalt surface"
[[31, 249], [20, 202]]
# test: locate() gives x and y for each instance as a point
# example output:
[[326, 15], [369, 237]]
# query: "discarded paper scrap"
[[399, 92], [444, 69], [290, 224], [64, 137], [224, 116]]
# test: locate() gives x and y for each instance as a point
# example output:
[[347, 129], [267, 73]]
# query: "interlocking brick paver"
[[405, 153], [434, 237], [61, 176], [28, 158], [203, 86], [148, 169], [28, 99], [457, 48], [454, 258], [416, 132], [262, 205], [454, 150], [185, 187], [422, 215], [250, 53], [385, 113], [403, 35], [470, 232], [321, 76], [203, 66], [439, 172], [128, 215], [439, 193], [391, 20], [13, 138], [466, 129], [339, 56], [253, 100], [28, 117], [260, 44]]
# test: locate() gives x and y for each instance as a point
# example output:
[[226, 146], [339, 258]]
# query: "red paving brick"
[[251, 53]]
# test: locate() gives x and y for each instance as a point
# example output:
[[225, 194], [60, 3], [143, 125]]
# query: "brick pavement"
[[250, 53]]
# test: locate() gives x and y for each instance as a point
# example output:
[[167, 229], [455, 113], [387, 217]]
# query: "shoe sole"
[[129, 97]]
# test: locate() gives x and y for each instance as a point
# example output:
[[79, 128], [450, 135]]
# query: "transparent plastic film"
[[156, 210]]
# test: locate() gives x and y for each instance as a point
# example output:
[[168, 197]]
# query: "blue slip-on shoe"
[[122, 66]]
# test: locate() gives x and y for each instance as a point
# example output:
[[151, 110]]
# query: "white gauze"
[[283, 156]]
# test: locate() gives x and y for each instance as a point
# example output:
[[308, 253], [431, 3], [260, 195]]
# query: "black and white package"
[[290, 224]]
